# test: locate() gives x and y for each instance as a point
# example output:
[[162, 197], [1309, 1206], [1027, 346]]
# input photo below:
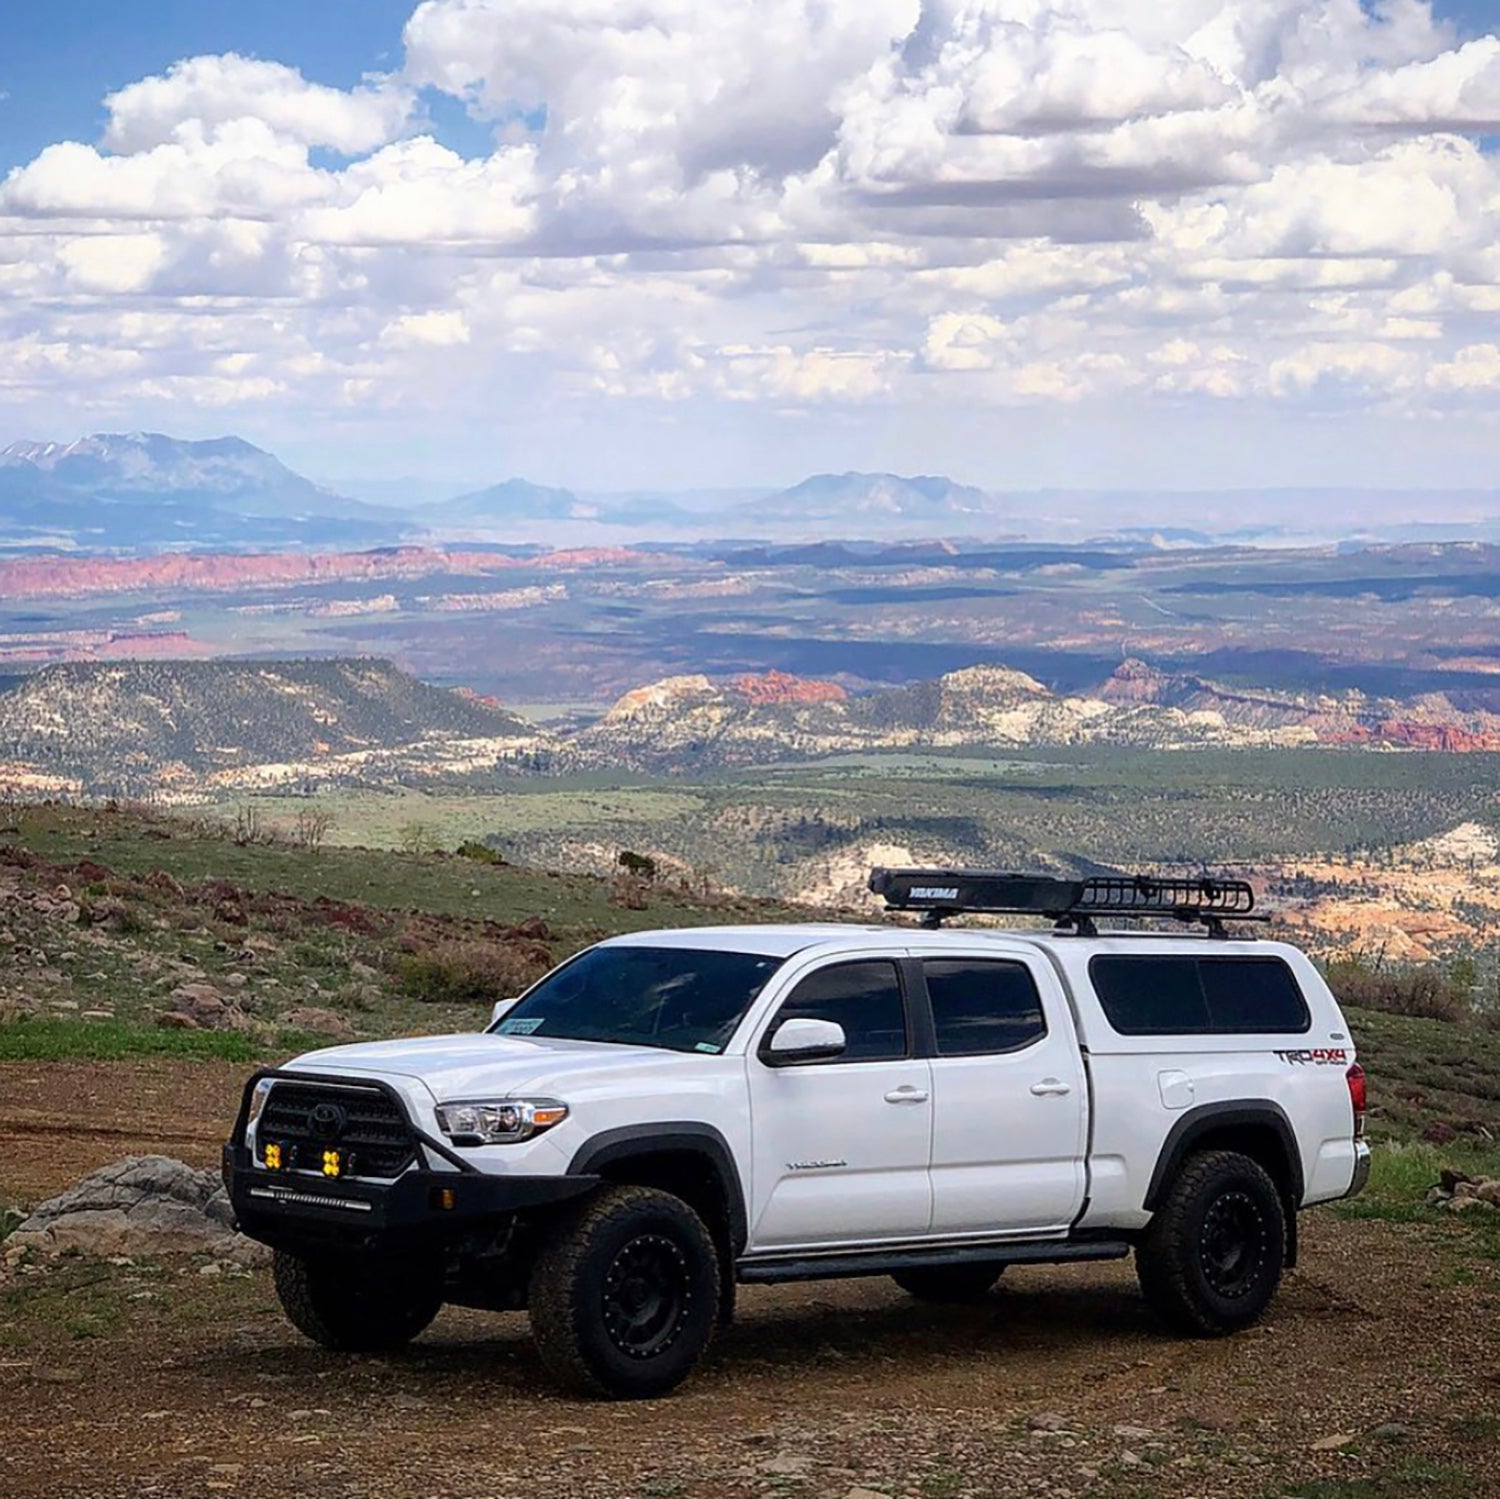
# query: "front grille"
[[371, 1133]]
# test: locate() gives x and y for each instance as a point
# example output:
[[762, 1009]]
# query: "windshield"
[[679, 998]]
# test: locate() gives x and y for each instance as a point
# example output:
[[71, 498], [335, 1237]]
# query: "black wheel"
[[625, 1294], [956, 1283], [1211, 1259], [357, 1305]]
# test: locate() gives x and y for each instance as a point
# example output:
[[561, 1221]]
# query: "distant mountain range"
[[144, 492], [210, 728], [140, 490]]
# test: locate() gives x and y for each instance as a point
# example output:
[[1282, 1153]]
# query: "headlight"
[[258, 1099], [501, 1121]]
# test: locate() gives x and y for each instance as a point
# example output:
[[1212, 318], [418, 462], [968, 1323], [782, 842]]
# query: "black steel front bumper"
[[419, 1210]]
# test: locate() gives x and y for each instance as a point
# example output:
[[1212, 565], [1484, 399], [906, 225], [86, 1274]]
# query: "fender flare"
[[1207, 1117], [678, 1137]]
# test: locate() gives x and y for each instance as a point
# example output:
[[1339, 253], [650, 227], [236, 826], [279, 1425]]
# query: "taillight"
[[1357, 1097]]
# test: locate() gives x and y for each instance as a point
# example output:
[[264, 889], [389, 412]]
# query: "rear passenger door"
[[1009, 1097]]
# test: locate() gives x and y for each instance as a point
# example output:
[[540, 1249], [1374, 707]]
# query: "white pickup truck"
[[673, 1112]]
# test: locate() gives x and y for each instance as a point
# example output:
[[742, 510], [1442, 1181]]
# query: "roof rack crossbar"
[[1073, 904]]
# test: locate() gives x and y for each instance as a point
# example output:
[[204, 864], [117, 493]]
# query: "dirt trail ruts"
[[61, 1120]]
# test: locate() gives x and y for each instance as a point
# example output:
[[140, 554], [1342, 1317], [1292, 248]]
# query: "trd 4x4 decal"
[[1328, 1057]]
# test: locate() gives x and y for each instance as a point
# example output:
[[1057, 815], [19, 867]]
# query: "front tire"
[[357, 1306], [957, 1284], [1210, 1262], [625, 1295]]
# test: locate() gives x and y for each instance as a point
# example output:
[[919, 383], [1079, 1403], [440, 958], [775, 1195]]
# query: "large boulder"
[[142, 1205]]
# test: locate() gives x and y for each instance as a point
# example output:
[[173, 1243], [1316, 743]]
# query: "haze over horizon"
[[646, 244]]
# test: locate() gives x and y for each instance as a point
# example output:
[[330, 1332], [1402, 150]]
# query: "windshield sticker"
[[521, 1027], [709, 1047]]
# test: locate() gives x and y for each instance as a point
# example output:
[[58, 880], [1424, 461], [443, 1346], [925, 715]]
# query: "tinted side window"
[[1199, 996], [982, 1007], [864, 998]]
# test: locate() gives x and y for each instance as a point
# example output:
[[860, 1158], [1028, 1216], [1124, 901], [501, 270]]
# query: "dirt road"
[[1377, 1377]]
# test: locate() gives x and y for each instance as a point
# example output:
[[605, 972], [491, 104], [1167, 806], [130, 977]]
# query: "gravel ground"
[[1376, 1377]]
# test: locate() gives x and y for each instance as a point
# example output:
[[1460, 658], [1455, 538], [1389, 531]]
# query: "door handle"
[[907, 1094], [1051, 1087]]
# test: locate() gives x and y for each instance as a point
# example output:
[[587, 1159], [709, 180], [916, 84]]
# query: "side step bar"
[[773, 1271]]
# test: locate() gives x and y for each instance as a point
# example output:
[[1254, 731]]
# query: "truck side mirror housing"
[[805, 1040], [502, 1008]]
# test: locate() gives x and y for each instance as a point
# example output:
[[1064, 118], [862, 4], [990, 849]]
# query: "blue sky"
[[738, 242], [59, 58]]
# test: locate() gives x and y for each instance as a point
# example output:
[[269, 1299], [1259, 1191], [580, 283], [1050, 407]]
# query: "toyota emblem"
[[327, 1121]]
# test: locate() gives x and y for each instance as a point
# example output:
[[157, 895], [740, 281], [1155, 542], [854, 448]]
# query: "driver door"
[[841, 1146]]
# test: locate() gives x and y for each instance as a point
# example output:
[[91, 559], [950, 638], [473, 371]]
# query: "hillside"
[[140, 727], [692, 722]]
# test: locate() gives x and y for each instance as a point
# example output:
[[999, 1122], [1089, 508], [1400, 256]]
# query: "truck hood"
[[486, 1066]]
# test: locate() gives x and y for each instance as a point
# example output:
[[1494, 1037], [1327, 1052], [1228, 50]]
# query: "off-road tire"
[[625, 1294], [357, 1306], [1211, 1259], [955, 1284]]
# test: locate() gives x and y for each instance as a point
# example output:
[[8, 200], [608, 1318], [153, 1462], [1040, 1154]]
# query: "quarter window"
[[1199, 996], [983, 1007], [864, 998]]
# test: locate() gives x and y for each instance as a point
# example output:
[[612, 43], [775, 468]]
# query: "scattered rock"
[[1460, 1193], [1439, 1133], [317, 1022], [1468, 1204], [142, 1205], [1047, 1421], [206, 1009]]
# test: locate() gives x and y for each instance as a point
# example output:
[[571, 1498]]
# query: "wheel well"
[[1257, 1129], [1262, 1143], [688, 1174]]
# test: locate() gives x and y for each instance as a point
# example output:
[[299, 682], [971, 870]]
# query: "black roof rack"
[[1073, 904]]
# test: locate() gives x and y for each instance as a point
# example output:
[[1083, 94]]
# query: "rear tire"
[[355, 1305], [1211, 1259], [625, 1294], [956, 1284]]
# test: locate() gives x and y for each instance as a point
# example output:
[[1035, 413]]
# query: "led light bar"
[[941, 893]]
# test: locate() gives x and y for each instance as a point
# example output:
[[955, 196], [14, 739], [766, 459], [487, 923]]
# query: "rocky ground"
[[1376, 1377]]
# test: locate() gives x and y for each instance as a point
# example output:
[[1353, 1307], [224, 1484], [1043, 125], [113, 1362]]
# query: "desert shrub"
[[640, 865], [251, 829], [133, 921], [1427, 993], [467, 972], [311, 827], [10, 1220], [480, 853]]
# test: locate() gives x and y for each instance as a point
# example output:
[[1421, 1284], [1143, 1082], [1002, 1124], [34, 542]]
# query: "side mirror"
[[502, 1008], [805, 1040]]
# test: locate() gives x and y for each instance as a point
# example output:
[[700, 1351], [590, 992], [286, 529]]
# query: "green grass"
[[48, 1040], [1400, 1177], [577, 907], [1418, 1478]]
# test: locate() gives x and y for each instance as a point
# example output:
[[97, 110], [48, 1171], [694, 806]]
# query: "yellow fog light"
[[272, 1157], [331, 1163]]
